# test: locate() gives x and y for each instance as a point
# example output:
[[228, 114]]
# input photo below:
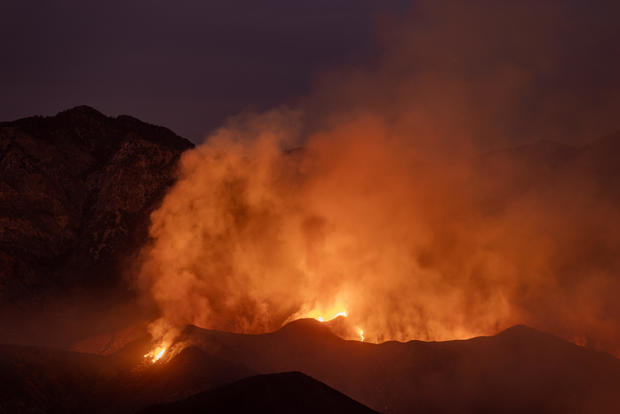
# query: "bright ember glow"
[[362, 335], [322, 319], [323, 316], [156, 354]]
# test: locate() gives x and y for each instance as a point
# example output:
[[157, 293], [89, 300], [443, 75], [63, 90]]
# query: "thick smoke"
[[385, 193]]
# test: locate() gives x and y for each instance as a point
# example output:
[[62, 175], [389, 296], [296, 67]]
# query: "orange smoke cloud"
[[394, 210]]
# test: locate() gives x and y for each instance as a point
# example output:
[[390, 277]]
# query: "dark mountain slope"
[[518, 370], [43, 380], [76, 191], [35, 379], [290, 392], [189, 372], [542, 166]]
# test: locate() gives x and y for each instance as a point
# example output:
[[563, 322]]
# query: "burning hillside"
[[395, 207], [480, 375], [436, 230]]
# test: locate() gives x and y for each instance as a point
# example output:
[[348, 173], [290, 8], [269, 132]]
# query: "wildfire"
[[322, 319], [323, 315], [319, 316], [156, 354]]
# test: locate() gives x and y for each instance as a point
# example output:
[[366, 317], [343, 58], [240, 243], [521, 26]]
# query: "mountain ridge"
[[76, 192]]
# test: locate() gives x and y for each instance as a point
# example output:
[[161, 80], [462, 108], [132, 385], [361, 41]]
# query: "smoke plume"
[[387, 193]]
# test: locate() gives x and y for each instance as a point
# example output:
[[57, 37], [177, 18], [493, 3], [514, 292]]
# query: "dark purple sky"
[[183, 64], [189, 64]]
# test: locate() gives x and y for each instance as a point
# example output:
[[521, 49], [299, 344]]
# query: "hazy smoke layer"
[[398, 208]]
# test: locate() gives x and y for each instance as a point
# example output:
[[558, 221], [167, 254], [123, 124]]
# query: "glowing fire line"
[[322, 319]]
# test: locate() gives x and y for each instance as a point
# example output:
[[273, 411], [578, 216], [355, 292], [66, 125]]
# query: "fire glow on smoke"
[[341, 314], [158, 351], [393, 209]]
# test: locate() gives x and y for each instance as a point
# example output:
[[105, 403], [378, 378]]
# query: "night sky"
[[190, 64], [186, 64]]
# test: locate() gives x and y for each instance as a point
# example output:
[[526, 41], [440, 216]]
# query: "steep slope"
[[76, 191], [290, 392]]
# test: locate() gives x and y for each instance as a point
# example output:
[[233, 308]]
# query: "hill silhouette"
[[518, 370], [290, 392]]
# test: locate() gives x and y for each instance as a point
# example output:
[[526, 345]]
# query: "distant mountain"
[[290, 392], [76, 191], [544, 165], [518, 370]]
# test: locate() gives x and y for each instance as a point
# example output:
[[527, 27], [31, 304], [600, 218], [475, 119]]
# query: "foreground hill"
[[290, 392], [76, 191], [37, 380], [518, 370]]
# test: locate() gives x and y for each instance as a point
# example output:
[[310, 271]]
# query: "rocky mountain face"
[[76, 192]]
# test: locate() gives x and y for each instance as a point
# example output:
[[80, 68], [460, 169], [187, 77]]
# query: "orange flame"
[[156, 353], [322, 315], [323, 319]]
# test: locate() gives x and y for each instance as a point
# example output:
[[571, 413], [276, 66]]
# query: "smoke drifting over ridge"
[[397, 208]]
